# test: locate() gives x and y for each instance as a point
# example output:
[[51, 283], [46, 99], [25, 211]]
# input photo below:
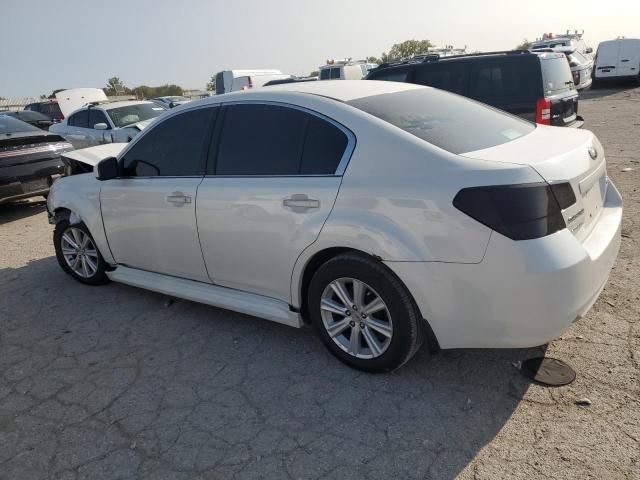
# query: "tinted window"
[[131, 114], [506, 80], [275, 140], [173, 147], [556, 74], [325, 74], [335, 73], [451, 77], [97, 116], [451, 122], [261, 140], [12, 125], [80, 119], [391, 76], [323, 147]]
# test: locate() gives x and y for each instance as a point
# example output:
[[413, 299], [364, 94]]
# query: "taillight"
[[543, 111], [576, 77], [519, 212]]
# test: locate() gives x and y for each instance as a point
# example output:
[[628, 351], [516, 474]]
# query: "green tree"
[[373, 60], [114, 86], [144, 91], [211, 85], [406, 49], [525, 45], [315, 73]]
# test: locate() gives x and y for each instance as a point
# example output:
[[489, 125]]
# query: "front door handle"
[[178, 198], [301, 201]]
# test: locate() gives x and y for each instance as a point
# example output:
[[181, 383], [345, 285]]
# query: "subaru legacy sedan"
[[382, 213]]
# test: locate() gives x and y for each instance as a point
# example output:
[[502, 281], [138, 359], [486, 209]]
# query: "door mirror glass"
[[107, 169], [100, 126]]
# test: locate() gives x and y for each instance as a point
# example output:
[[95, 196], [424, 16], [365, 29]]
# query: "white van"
[[618, 59], [234, 80], [343, 71]]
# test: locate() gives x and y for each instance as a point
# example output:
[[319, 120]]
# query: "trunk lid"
[[561, 156], [74, 98]]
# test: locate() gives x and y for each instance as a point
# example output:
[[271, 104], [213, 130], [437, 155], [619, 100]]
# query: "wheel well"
[[325, 255]]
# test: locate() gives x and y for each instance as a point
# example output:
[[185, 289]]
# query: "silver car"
[[114, 122]]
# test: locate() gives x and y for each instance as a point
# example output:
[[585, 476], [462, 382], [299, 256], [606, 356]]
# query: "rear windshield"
[[11, 125], [446, 120], [131, 114], [556, 74]]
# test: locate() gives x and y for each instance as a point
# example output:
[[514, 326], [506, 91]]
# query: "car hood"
[[74, 98], [556, 153], [140, 125], [92, 155]]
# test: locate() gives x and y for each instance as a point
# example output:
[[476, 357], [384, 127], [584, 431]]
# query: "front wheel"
[[364, 314], [77, 253]]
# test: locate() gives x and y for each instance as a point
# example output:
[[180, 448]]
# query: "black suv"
[[51, 109], [537, 86]]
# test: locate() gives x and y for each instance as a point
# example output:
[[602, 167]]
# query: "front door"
[[267, 194], [149, 214]]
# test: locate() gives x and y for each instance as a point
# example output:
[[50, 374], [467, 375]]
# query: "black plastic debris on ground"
[[548, 371]]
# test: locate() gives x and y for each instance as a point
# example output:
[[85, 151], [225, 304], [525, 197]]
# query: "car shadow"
[[10, 212], [246, 394], [607, 89]]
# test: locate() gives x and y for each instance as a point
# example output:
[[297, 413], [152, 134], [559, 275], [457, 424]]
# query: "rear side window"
[[80, 119], [503, 82], [556, 74], [275, 140], [391, 75], [448, 121], [172, 148], [451, 77]]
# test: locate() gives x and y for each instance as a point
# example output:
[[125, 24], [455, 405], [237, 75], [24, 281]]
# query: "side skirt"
[[228, 298]]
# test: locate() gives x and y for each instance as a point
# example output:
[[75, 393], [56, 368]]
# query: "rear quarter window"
[[506, 81], [446, 120]]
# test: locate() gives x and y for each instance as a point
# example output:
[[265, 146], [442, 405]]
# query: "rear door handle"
[[301, 201], [178, 198]]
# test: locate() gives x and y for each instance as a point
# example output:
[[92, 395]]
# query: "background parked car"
[[569, 39], [290, 80], [36, 119], [618, 59], [29, 159], [107, 122], [49, 108], [171, 101], [345, 70], [234, 80], [535, 86]]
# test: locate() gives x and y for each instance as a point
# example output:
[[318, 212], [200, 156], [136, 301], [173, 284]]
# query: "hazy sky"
[[80, 43]]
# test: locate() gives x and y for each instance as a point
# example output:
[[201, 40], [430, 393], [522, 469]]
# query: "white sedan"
[[383, 213]]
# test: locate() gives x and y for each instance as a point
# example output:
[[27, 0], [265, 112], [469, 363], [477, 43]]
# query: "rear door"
[[267, 193], [510, 83], [560, 88], [629, 58], [607, 59], [78, 131]]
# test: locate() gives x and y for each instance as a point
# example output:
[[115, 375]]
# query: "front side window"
[[97, 116], [272, 140], [80, 119], [132, 114], [172, 148], [448, 121]]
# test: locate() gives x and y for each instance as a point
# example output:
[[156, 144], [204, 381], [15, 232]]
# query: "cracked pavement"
[[115, 382]]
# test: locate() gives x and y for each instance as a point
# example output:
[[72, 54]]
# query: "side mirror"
[[100, 126], [107, 169], [589, 50]]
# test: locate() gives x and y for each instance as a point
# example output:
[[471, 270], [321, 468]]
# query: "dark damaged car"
[[29, 159]]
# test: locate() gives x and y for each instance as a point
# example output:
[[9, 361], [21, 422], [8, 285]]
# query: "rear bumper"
[[578, 123], [523, 293], [28, 179]]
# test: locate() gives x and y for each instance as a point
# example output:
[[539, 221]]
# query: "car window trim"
[[342, 164], [171, 113]]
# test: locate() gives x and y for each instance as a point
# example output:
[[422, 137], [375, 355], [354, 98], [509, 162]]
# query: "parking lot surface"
[[115, 382]]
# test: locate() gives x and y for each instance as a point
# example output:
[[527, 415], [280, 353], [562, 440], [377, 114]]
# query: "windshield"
[[446, 120], [10, 125], [123, 116], [556, 74]]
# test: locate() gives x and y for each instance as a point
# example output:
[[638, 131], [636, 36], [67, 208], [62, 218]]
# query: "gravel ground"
[[115, 382]]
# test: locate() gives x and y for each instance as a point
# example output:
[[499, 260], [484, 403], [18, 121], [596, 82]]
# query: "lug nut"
[[352, 323], [348, 313], [361, 324]]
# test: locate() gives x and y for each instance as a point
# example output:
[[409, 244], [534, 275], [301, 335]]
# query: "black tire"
[[408, 329], [99, 277]]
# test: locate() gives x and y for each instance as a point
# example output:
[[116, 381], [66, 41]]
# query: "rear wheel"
[[77, 253], [363, 313]]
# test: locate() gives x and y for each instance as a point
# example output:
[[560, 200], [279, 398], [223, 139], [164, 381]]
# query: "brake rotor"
[[548, 371]]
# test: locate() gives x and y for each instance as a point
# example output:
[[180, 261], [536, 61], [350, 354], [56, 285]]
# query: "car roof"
[[341, 90]]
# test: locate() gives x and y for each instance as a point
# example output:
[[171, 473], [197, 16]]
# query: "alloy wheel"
[[79, 252]]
